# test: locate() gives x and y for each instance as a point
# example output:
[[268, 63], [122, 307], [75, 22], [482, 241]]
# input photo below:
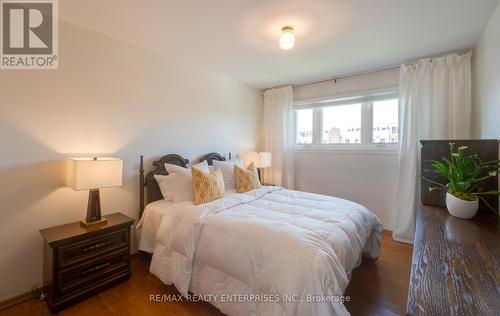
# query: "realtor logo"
[[29, 34]]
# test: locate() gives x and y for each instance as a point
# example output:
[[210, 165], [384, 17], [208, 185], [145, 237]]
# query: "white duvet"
[[147, 227], [285, 247]]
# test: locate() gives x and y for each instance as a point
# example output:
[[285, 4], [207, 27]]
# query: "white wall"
[[366, 178], [108, 97], [486, 84], [487, 80]]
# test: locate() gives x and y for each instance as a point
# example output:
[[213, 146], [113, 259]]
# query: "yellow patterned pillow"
[[246, 179], [207, 186]]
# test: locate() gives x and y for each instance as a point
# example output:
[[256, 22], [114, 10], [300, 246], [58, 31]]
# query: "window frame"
[[366, 100]]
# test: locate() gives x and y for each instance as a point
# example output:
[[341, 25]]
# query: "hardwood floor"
[[378, 287]]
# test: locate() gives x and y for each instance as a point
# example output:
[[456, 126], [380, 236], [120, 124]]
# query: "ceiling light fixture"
[[287, 40]]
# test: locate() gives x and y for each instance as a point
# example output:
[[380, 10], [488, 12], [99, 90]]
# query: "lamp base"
[[93, 211], [87, 224]]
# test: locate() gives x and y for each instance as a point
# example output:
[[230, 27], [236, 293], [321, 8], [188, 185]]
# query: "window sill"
[[372, 149]]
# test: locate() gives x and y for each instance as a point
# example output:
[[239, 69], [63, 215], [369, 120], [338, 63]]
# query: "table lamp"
[[260, 159], [93, 174]]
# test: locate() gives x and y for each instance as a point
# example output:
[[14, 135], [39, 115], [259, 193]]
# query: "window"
[[304, 126], [385, 117], [354, 122], [341, 124]]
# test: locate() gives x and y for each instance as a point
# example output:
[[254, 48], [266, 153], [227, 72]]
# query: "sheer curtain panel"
[[278, 136], [435, 103]]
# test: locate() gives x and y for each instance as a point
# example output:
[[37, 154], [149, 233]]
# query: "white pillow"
[[182, 181], [227, 169], [203, 166], [165, 184]]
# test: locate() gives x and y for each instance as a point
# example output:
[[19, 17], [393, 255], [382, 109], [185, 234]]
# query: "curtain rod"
[[360, 74], [353, 75]]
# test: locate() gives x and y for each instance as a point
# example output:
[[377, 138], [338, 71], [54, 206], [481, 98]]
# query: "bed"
[[269, 251]]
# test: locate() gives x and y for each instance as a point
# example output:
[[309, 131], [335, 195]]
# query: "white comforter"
[[148, 225], [290, 247]]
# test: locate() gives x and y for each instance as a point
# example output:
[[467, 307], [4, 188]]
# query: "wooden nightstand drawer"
[[86, 249], [89, 272], [82, 261]]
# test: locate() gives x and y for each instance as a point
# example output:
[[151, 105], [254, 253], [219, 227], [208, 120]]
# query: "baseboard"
[[18, 299], [405, 241]]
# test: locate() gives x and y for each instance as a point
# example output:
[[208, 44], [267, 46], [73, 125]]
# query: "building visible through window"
[[348, 123], [341, 124]]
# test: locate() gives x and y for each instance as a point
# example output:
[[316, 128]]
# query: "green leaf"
[[432, 181], [436, 188], [487, 193]]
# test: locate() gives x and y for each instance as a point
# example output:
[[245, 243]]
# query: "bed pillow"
[[182, 181], [165, 185], [203, 166], [246, 179], [227, 169], [207, 186]]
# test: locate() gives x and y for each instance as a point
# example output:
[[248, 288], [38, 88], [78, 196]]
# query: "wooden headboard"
[[486, 149], [149, 191], [213, 156]]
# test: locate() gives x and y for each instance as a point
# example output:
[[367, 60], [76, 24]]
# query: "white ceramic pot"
[[461, 208]]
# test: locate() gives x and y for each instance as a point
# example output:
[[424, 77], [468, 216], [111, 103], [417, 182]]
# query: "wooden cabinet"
[[80, 262], [456, 264]]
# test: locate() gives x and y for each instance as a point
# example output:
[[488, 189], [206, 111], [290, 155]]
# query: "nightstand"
[[80, 262]]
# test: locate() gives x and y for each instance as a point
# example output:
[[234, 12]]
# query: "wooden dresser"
[[79, 262], [456, 265]]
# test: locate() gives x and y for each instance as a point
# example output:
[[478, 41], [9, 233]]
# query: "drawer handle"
[[96, 268], [96, 246]]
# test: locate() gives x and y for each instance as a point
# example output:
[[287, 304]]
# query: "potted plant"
[[465, 174]]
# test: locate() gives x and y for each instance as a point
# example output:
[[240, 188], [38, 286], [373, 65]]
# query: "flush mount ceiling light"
[[287, 40]]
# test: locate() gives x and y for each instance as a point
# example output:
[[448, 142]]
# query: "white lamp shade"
[[260, 159], [88, 173]]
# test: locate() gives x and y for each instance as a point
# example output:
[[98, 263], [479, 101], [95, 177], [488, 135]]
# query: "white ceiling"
[[239, 38]]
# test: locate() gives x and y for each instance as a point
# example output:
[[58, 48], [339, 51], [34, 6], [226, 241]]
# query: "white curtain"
[[435, 103], [278, 136]]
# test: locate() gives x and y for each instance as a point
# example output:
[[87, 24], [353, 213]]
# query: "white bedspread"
[[283, 244], [148, 225]]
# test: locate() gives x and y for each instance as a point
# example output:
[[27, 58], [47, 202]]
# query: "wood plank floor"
[[378, 287]]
